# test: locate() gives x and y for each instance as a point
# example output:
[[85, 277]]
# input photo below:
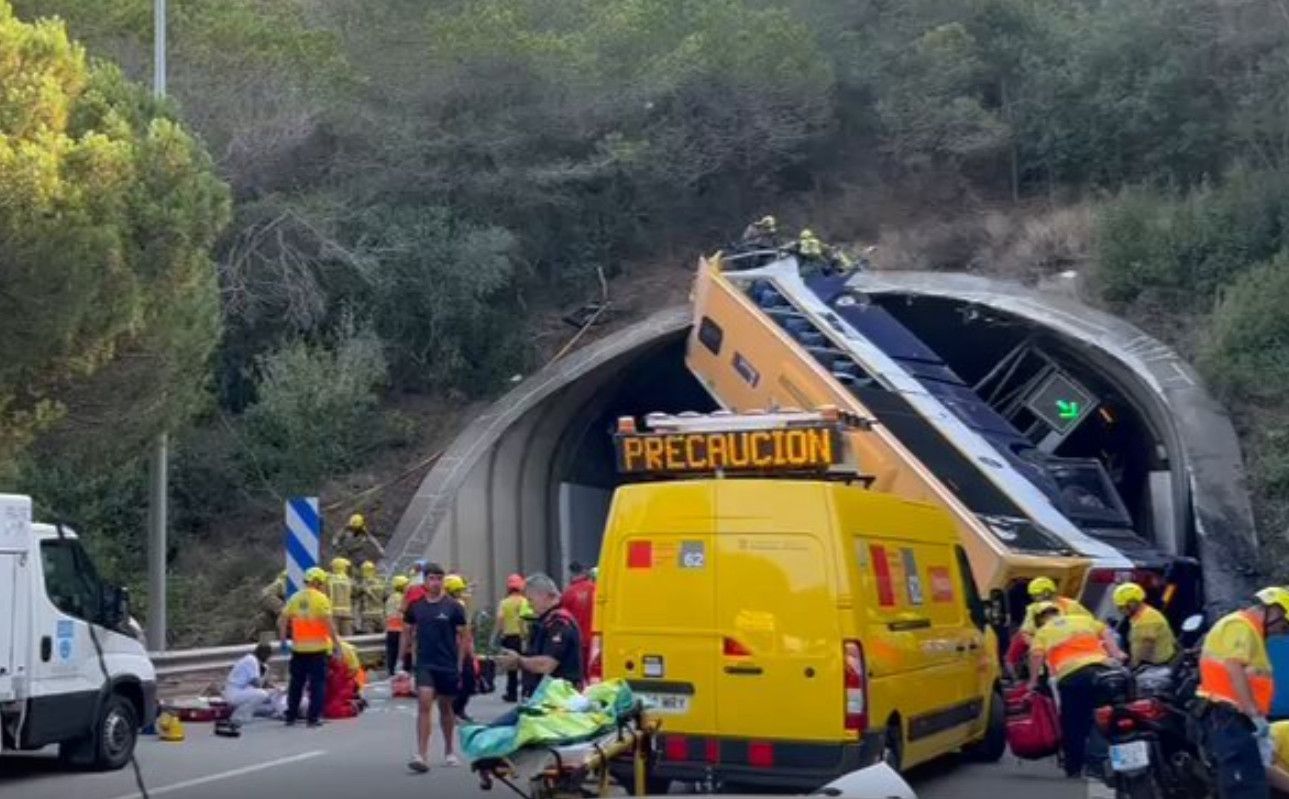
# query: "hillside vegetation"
[[347, 215]]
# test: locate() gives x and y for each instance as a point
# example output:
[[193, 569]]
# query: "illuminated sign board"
[[811, 448], [1061, 402]]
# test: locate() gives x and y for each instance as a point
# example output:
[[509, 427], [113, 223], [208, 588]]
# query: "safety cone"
[[170, 728]]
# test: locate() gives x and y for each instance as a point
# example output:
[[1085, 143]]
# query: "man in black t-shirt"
[[555, 644], [438, 623]]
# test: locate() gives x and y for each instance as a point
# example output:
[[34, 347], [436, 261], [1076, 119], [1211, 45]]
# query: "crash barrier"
[[190, 661]]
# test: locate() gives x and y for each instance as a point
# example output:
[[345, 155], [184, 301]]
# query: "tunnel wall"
[[490, 505]]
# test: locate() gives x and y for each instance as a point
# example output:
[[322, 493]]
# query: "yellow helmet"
[[357, 522], [399, 582], [807, 234], [340, 565], [767, 222], [315, 575], [1041, 585], [1275, 595], [1128, 592], [454, 584], [369, 568], [1041, 608]]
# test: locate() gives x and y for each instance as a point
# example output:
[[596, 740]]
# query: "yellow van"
[[791, 629]]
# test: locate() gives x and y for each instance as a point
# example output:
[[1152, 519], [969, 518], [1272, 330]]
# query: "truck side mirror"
[[996, 609]]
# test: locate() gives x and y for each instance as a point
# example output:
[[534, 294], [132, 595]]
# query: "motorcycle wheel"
[[1136, 786]]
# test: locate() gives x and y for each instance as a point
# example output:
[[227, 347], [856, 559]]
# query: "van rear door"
[[660, 630], [780, 672]]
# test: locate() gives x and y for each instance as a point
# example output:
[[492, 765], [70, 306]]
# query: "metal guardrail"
[[192, 661]]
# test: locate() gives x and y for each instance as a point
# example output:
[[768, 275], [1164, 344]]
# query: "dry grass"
[[1025, 243]]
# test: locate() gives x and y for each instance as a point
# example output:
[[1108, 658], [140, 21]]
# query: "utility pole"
[[159, 473]]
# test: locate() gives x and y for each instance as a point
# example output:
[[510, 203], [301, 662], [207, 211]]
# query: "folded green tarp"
[[556, 714]]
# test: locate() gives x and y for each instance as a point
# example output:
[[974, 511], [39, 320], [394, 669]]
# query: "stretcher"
[[582, 769]]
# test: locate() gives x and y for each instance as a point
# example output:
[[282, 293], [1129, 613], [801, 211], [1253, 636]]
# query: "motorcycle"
[[1154, 738]]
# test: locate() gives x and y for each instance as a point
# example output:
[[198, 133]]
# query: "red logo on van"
[[941, 584], [640, 555]]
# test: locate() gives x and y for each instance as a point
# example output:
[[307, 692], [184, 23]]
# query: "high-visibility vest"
[[308, 627], [394, 612], [1215, 681], [341, 596], [512, 608], [1073, 643]]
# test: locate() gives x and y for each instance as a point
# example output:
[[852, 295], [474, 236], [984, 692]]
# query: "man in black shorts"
[[438, 623]]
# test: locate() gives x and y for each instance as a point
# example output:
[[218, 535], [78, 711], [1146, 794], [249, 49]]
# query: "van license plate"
[[1132, 756], [666, 704]]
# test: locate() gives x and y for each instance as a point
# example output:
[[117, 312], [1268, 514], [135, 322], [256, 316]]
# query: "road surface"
[[367, 756]]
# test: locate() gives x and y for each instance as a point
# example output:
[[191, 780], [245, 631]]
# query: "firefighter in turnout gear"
[[369, 609], [341, 590], [763, 234], [272, 600], [356, 542]]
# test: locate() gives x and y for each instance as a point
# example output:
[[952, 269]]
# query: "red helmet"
[[515, 582]]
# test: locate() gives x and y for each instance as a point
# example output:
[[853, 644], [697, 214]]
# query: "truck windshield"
[[1087, 495], [71, 581]]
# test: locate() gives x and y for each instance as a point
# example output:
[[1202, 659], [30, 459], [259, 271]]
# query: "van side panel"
[[920, 643]]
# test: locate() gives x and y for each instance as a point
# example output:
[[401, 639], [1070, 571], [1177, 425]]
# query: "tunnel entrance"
[[586, 468]]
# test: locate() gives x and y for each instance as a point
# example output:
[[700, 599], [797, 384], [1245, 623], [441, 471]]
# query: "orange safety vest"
[[309, 632], [1215, 681], [1079, 648], [394, 613]]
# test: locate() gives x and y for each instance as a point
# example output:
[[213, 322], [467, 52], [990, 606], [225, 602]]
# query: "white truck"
[[70, 671]]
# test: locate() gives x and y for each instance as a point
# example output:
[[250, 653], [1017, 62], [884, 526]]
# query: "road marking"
[[223, 775]]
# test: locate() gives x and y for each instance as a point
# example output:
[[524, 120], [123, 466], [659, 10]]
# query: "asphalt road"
[[353, 758]]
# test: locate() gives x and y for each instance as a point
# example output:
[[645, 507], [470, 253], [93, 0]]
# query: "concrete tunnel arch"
[[508, 494]]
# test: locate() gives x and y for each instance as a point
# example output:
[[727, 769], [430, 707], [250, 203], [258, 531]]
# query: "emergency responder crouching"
[[555, 645], [1236, 682], [272, 600], [763, 234], [1076, 650], [341, 590], [1042, 590], [1150, 640], [369, 609], [307, 618]]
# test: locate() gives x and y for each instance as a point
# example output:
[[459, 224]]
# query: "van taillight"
[[595, 669], [856, 687]]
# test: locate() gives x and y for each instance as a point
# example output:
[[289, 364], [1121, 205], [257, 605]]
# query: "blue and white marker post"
[[303, 540]]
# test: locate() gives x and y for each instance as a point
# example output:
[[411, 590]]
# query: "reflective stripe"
[[1215, 681]]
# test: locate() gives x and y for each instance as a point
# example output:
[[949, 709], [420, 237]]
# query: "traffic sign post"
[[303, 540]]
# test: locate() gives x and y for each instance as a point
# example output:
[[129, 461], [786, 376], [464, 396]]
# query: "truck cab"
[[71, 672]]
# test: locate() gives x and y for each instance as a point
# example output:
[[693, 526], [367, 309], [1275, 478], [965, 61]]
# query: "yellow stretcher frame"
[[562, 777]]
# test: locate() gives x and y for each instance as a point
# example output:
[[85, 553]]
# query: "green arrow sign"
[[1067, 409]]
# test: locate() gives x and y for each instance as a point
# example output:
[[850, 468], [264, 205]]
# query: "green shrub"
[[1193, 244], [317, 410], [1247, 351]]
